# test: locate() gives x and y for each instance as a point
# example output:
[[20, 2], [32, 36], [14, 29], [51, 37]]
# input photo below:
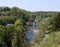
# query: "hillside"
[[45, 13]]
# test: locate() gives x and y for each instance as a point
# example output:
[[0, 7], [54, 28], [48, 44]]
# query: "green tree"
[[56, 22], [20, 23]]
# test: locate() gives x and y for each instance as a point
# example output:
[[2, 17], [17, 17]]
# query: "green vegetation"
[[52, 25], [15, 35], [41, 27], [52, 40], [11, 36]]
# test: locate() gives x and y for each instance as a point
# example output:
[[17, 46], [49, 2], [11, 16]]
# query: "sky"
[[33, 5]]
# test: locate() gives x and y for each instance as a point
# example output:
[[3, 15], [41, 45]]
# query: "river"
[[31, 32]]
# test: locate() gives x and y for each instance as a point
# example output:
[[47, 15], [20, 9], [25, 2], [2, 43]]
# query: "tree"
[[20, 34], [2, 33], [20, 23], [8, 35], [6, 9], [2, 22], [15, 11], [56, 22]]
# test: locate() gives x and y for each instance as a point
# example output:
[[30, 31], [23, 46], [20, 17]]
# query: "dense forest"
[[14, 23]]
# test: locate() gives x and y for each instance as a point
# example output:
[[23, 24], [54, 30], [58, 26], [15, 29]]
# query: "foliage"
[[7, 20], [45, 14], [41, 27], [11, 36], [52, 41], [38, 18], [19, 13], [48, 23], [20, 22], [14, 36], [56, 22], [4, 9]]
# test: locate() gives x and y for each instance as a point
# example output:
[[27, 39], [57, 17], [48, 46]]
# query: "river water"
[[30, 32]]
